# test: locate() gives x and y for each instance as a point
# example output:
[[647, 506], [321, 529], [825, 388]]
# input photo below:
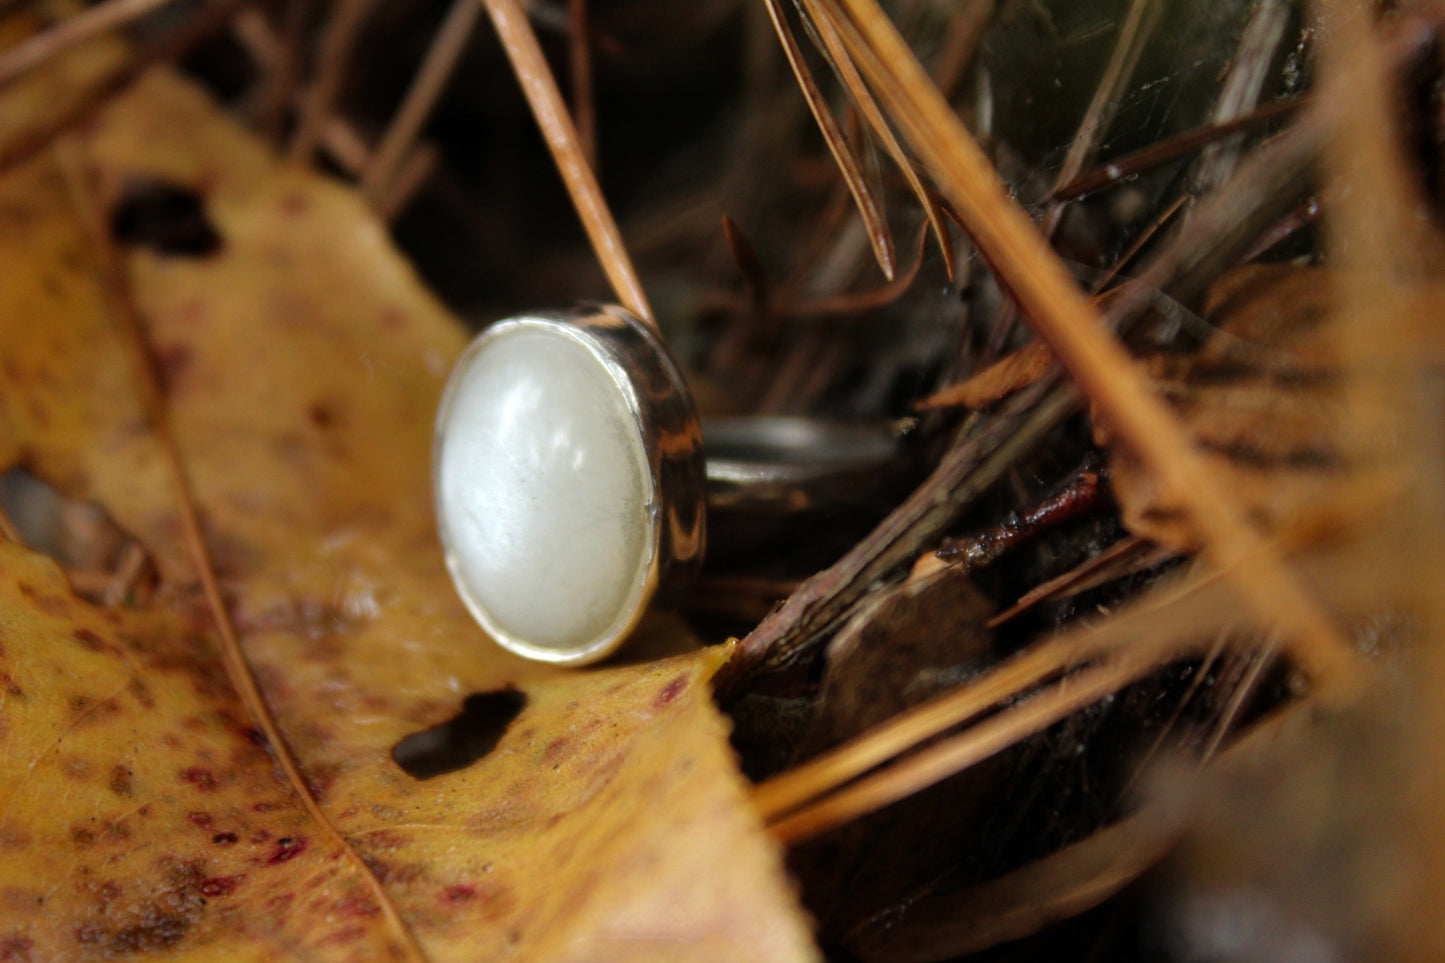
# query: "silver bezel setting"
[[665, 420]]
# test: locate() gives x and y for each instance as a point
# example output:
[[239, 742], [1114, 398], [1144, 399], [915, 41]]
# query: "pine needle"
[[545, 99], [869, 207], [1097, 362]]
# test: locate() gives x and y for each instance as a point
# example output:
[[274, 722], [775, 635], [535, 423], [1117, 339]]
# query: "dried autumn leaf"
[[1261, 398], [301, 362]]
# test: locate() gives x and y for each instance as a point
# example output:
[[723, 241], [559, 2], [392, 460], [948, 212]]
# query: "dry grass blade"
[[1133, 33], [1156, 155], [276, 90], [965, 31], [1105, 103], [863, 97], [116, 285], [337, 45], [1097, 362], [540, 88], [853, 303], [848, 163], [750, 266], [579, 55], [436, 69], [953, 755], [785, 793], [418, 166], [69, 32], [1064, 884]]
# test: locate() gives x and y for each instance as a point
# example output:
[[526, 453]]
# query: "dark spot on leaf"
[[15, 949], [91, 641], [153, 926], [49, 604], [157, 933], [220, 885], [349, 934], [120, 783], [77, 768], [294, 205], [670, 691], [92, 710], [171, 363], [201, 778], [142, 692], [202, 819], [321, 415], [459, 894], [13, 837], [357, 905], [557, 750], [81, 836], [287, 848], [224, 839], [166, 217], [463, 739]]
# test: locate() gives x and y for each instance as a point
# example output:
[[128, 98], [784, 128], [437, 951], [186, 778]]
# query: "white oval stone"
[[544, 493]]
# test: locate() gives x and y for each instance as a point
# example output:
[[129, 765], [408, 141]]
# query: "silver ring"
[[571, 488]]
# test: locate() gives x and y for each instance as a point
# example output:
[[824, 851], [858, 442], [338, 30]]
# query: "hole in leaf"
[[462, 739], [165, 217], [104, 563]]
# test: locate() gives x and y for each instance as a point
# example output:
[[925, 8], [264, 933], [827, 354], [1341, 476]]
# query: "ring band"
[[571, 488]]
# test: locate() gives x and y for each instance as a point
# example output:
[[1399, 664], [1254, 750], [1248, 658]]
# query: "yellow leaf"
[[139, 813]]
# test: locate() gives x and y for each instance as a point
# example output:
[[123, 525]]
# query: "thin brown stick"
[[132, 565], [848, 163], [1176, 712], [121, 304], [173, 44], [953, 755], [949, 925], [853, 303], [965, 30], [337, 44], [750, 267], [1145, 236], [540, 88], [1258, 661], [1250, 69], [1098, 363], [70, 32], [415, 170], [1100, 113], [276, 90], [858, 90], [1105, 102], [1126, 556], [579, 51], [436, 69], [1127, 166]]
